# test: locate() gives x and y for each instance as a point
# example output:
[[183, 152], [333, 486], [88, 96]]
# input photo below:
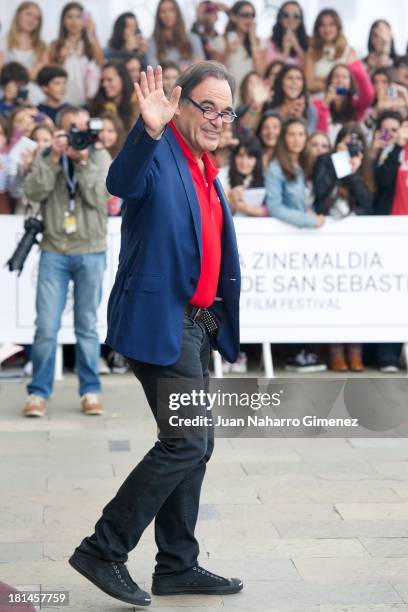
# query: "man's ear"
[[178, 110]]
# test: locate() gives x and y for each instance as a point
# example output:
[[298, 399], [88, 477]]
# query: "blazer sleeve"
[[133, 171]]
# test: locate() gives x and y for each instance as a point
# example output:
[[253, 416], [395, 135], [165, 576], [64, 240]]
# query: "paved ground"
[[310, 525]]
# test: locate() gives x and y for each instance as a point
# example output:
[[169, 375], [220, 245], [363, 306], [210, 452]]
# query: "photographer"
[[69, 181]]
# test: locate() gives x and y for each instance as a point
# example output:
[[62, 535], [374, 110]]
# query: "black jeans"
[[388, 353], [166, 484]]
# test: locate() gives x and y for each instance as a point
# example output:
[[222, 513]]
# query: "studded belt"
[[203, 315]]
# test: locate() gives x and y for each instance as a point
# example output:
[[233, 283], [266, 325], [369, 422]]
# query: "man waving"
[[175, 296]]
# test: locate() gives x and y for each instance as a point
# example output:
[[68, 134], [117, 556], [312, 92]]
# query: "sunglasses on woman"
[[247, 15], [287, 15]]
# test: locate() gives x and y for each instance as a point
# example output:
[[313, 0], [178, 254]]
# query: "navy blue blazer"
[[160, 254]]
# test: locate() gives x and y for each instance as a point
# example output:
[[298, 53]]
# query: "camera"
[[342, 91], [82, 139], [22, 95], [32, 227], [385, 135], [355, 147]]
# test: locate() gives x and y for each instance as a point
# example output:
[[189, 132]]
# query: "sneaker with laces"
[[305, 362], [35, 406], [117, 363], [90, 404], [111, 577], [196, 580]]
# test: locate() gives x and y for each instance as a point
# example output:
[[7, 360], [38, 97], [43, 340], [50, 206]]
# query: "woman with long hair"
[[245, 172], [328, 47], [289, 41], [23, 42], [170, 40], [240, 49], [348, 95], [116, 94], [285, 178], [268, 134], [113, 134], [285, 182], [381, 48], [271, 72], [77, 49], [253, 95], [291, 98], [126, 40]]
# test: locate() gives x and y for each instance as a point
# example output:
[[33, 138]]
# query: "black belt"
[[205, 316]]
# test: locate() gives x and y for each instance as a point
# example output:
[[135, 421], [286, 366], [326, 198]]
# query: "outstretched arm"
[[129, 172]]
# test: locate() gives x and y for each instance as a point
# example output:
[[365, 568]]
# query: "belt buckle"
[[197, 314]]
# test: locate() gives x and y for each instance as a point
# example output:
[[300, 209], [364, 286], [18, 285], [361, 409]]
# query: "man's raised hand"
[[155, 109]]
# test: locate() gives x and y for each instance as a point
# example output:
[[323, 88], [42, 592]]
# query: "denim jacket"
[[286, 200]]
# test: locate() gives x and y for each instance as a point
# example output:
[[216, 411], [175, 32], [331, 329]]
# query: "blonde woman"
[[328, 47], [23, 44]]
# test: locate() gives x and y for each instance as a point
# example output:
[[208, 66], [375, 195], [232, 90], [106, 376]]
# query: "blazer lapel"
[[228, 223], [187, 183]]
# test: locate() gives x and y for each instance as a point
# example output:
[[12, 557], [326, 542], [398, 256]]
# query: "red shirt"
[[400, 202], [211, 224]]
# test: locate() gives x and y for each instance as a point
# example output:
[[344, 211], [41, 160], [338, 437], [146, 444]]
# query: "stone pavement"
[[309, 525]]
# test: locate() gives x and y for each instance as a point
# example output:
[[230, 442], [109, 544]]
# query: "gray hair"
[[197, 73]]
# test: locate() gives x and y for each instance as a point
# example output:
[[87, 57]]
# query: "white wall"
[[357, 15]]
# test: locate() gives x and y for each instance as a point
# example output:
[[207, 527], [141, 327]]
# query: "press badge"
[[70, 223]]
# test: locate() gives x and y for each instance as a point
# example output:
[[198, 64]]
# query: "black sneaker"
[[117, 363], [305, 362], [111, 577], [196, 580]]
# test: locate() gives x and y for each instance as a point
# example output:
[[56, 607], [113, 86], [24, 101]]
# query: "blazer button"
[[193, 280]]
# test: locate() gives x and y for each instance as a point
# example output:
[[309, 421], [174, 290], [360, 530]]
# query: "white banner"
[[345, 282]]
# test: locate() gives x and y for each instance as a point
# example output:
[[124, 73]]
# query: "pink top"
[[273, 54], [361, 102]]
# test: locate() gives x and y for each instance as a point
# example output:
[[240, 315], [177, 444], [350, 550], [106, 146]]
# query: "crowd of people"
[[301, 96]]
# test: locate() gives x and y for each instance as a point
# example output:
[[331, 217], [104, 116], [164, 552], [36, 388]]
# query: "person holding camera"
[[69, 181], [348, 94], [13, 80], [338, 198]]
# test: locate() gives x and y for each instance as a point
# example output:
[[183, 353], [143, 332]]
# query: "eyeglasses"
[[247, 15], [296, 16], [212, 114]]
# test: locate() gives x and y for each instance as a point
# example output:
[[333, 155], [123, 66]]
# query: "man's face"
[[56, 88], [209, 17], [80, 119], [203, 134]]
